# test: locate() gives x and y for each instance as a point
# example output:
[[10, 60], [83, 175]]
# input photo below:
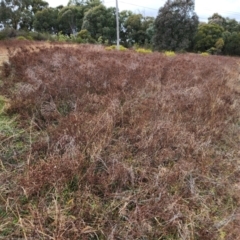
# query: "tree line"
[[176, 27]]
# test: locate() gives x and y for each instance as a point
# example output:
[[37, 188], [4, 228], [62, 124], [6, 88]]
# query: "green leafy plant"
[[62, 37]]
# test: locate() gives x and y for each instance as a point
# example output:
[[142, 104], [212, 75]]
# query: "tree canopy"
[[100, 21], [46, 20], [207, 36], [175, 25], [20, 13]]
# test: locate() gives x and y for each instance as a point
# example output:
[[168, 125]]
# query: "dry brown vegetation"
[[119, 145]]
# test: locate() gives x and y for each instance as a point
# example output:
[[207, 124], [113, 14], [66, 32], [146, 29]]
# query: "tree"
[[89, 3], [70, 19], [19, 13], [219, 45], [217, 19], [134, 28], [26, 20], [134, 32], [38, 5], [175, 26], [5, 14], [230, 25], [148, 27], [101, 22], [46, 20], [207, 36], [123, 16], [232, 43]]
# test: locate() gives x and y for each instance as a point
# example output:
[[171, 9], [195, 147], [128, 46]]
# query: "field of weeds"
[[100, 144]]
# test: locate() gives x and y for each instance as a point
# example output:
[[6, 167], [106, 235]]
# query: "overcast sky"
[[204, 8]]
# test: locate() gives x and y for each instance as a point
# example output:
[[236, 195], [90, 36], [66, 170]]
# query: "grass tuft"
[[169, 53], [143, 50], [114, 47]]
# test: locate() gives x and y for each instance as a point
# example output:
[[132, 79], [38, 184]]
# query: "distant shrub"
[[21, 38], [62, 38], [28, 37], [122, 48], [181, 51], [110, 47], [114, 47], [8, 33], [143, 50], [212, 51], [2, 35], [205, 54], [170, 53], [100, 40], [84, 36], [40, 36]]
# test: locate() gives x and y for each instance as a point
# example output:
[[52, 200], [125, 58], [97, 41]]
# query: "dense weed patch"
[[122, 145]]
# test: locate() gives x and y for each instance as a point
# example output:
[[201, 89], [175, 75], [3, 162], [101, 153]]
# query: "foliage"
[[88, 4], [70, 19], [175, 26], [21, 38], [207, 36], [114, 47], [120, 145], [217, 19], [101, 22], [46, 21], [20, 14], [135, 29], [228, 24], [170, 53], [219, 45], [62, 37], [232, 44], [7, 33], [227, 42], [85, 37], [204, 54], [174, 29], [231, 25], [143, 50]]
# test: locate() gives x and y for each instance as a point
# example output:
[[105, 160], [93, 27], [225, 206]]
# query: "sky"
[[203, 8]]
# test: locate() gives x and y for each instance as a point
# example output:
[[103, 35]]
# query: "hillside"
[[100, 144]]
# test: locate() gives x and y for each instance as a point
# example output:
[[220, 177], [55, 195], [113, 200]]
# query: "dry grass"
[[119, 145], [3, 55]]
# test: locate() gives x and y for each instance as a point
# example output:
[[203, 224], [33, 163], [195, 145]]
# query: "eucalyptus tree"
[[175, 26], [19, 14]]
